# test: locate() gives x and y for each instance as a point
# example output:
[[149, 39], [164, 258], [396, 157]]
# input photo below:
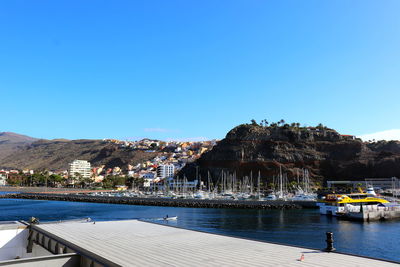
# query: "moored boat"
[[339, 204]]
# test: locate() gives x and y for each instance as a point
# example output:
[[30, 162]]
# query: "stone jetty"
[[373, 215], [191, 203]]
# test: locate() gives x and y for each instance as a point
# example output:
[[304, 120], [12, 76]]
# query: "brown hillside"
[[9, 142], [56, 154]]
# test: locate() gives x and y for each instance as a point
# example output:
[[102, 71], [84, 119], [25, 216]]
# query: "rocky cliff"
[[324, 152]]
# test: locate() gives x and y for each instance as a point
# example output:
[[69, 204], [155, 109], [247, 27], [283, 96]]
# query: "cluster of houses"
[[149, 145], [170, 157]]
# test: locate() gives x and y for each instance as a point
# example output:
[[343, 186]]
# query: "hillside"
[[56, 154], [9, 142], [246, 149], [250, 148], [14, 138]]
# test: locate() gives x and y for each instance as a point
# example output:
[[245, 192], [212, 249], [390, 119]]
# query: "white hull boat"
[[174, 218]]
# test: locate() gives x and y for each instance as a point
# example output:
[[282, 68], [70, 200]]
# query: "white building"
[[148, 178], [165, 171], [3, 179], [80, 166], [187, 185]]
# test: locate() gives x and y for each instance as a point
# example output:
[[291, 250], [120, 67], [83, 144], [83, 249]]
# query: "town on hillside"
[[170, 157]]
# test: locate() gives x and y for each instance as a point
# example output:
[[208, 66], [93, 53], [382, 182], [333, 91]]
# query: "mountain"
[[14, 138], [56, 154], [246, 150], [251, 148], [9, 142]]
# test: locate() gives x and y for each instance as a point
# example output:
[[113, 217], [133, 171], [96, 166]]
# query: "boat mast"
[[197, 176], [208, 179], [258, 184], [280, 182]]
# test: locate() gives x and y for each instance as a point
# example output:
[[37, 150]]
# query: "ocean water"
[[295, 227]]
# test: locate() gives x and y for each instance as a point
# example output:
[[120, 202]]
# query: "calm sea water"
[[295, 227]]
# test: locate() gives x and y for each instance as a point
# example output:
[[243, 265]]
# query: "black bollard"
[[329, 242]]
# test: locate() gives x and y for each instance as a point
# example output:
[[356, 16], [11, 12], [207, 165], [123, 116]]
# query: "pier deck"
[[137, 243]]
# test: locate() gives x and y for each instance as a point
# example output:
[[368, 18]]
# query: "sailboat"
[[281, 195], [304, 194]]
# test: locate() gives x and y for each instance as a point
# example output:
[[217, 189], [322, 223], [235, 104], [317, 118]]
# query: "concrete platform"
[[137, 243]]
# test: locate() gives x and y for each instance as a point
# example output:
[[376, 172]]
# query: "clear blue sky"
[[189, 69]]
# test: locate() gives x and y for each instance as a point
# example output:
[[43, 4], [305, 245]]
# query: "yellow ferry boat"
[[339, 204]]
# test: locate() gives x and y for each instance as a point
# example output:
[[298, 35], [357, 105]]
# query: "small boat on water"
[[173, 218], [271, 197], [201, 195]]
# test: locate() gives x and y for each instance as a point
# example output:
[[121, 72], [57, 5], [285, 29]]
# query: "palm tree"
[[264, 123], [254, 123], [77, 177]]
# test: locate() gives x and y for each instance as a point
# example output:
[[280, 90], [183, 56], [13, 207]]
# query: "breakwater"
[[168, 202]]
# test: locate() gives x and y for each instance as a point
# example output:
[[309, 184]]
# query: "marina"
[[138, 243]]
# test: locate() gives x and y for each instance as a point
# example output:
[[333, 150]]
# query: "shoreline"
[[49, 190]]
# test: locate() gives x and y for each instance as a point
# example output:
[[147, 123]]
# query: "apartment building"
[[80, 166], [165, 171]]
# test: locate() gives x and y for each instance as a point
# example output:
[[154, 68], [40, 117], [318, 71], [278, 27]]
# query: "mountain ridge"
[[246, 150], [11, 137], [10, 142], [57, 154]]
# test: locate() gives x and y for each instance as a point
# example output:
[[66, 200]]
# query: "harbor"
[[200, 133], [137, 243]]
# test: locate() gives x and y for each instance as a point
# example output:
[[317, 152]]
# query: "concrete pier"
[[373, 215], [137, 243]]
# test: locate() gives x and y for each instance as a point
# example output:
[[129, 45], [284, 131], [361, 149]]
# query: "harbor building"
[[182, 185], [80, 166], [391, 183], [165, 171]]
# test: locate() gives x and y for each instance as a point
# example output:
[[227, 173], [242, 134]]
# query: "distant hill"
[[13, 138], [56, 154], [9, 142]]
